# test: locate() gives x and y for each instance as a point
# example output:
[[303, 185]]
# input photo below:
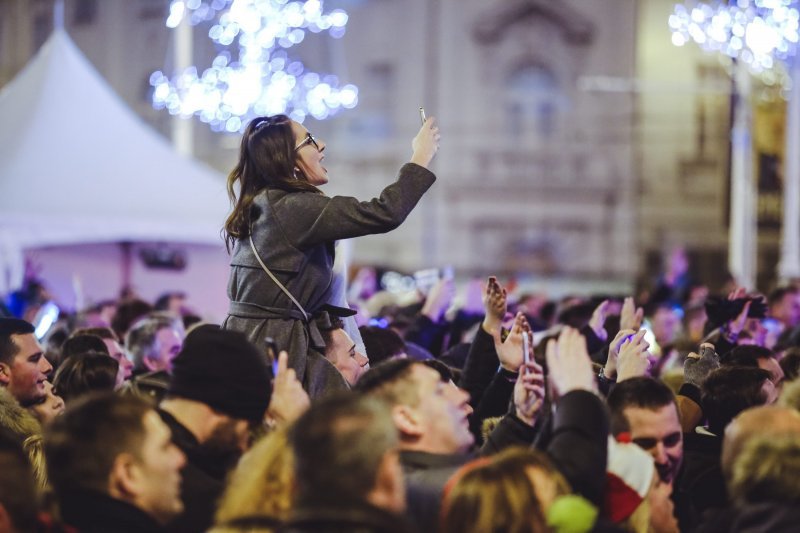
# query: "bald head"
[[764, 421]]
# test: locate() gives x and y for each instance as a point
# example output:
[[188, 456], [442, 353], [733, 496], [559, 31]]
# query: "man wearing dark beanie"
[[220, 389]]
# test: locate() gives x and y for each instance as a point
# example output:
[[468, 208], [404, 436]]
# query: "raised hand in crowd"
[[634, 359], [289, 400], [630, 316], [598, 320], [495, 305], [510, 351], [439, 299], [732, 328], [697, 367], [568, 363], [610, 368], [529, 392]]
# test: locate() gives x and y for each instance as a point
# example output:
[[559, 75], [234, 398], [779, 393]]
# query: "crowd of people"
[[618, 418], [317, 408]]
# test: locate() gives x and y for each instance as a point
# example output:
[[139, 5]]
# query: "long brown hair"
[[266, 160]]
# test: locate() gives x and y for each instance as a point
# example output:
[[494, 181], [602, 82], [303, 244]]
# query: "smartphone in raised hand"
[[526, 348], [422, 116]]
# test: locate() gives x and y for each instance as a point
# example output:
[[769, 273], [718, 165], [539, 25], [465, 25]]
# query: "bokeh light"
[[252, 74], [761, 33]]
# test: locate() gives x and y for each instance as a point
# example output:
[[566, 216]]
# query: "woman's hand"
[[426, 143]]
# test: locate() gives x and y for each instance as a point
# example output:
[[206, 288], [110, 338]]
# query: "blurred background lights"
[[761, 33], [252, 74]]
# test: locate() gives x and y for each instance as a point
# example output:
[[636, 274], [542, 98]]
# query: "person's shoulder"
[[297, 201]]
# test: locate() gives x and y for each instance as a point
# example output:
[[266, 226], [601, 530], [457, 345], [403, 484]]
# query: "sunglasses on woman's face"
[[308, 140]]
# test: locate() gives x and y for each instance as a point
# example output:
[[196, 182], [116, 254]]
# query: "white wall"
[[99, 269]]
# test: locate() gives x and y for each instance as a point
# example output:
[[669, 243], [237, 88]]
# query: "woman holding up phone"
[[283, 229]]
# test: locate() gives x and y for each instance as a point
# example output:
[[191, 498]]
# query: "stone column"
[[789, 265], [742, 247], [182, 132]]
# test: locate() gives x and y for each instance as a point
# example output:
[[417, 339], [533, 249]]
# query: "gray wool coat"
[[295, 234]]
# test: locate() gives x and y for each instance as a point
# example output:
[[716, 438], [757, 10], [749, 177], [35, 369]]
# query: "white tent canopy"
[[78, 166]]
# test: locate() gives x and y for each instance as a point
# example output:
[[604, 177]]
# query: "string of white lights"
[[761, 33], [253, 74]]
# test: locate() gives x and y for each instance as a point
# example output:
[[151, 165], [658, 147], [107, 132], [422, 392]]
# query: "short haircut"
[[128, 313], [746, 355], [78, 344], [82, 444], [83, 373], [638, 392], [17, 484], [103, 333], [8, 328], [444, 371], [729, 390], [779, 293], [391, 382], [381, 343], [767, 471], [140, 340], [326, 330], [339, 445]]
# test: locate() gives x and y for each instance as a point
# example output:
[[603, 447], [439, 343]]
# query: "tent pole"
[[58, 15]]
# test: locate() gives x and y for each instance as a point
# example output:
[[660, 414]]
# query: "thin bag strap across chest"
[[278, 283]]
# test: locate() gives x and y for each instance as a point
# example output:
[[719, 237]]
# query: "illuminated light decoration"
[[263, 79], [761, 33]]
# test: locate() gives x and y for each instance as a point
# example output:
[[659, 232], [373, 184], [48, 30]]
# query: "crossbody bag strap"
[[278, 283]]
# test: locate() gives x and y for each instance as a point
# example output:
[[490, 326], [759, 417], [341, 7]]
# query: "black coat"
[[426, 475], [361, 518], [93, 512], [295, 233], [203, 479], [700, 485]]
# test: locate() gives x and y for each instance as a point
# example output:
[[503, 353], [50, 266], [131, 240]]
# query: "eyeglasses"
[[308, 140]]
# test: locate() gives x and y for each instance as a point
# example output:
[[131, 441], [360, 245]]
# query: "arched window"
[[533, 102]]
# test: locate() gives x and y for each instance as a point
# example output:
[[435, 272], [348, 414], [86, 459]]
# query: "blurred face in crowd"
[[228, 436], [771, 365], [26, 374], [158, 475], [442, 412], [49, 407], [168, 344], [666, 325], [341, 352], [770, 391], [125, 364], [658, 432], [787, 310]]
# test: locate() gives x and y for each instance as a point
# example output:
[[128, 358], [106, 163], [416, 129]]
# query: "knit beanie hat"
[[223, 370], [629, 475]]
